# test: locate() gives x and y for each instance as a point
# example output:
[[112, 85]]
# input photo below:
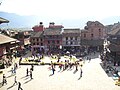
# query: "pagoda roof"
[[5, 39], [2, 20]]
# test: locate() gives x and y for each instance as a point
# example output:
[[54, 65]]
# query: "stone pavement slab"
[[94, 78]]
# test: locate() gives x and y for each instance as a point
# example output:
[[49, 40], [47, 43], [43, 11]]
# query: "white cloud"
[[70, 9]]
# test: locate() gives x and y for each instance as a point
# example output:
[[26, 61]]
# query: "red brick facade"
[[38, 28], [93, 31]]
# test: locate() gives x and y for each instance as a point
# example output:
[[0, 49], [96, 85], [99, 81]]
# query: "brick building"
[[53, 26], [37, 42], [8, 48], [113, 46], [53, 39], [46, 39], [71, 40], [92, 37], [39, 27]]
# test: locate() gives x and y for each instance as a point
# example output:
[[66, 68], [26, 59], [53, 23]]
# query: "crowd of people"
[[63, 65], [59, 65], [16, 82], [67, 64]]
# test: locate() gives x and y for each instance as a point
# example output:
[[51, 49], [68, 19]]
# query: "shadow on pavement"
[[93, 56], [9, 71], [23, 77], [51, 75], [10, 87], [1, 85], [11, 75], [75, 71], [26, 78], [79, 78], [27, 81]]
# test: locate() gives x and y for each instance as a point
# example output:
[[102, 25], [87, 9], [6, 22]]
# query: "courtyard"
[[94, 78]]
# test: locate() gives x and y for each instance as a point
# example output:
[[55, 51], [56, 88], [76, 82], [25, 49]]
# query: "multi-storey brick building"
[[54, 36], [47, 39], [8, 48], [23, 37], [71, 39], [38, 28], [92, 36], [53, 39], [113, 46], [37, 42]]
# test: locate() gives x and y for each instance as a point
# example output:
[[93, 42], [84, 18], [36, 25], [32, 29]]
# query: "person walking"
[[31, 74], [60, 66], [12, 70], [4, 80], [89, 59], [20, 60], [19, 86], [81, 73], [76, 66], [15, 80], [52, 67], [32, 67], [15, 67], [53, 70], [27, 72]]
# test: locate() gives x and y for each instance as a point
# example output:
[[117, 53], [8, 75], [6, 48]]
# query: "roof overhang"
[[2, 20]]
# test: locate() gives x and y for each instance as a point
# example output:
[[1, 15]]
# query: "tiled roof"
[[71, 31], [52, 32], [6, 39], [115, 32], [36, 34], [84, 31], [2, 20], [56, 26], [89, 23]]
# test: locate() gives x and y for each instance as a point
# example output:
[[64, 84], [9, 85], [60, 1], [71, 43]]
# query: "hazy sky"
[[63, 9]]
